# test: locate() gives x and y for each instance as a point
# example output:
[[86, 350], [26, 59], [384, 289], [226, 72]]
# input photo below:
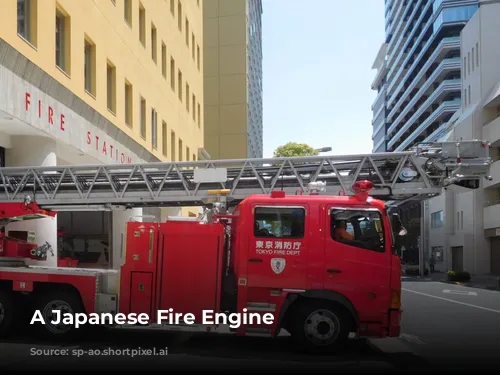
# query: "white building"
[[464, 228]]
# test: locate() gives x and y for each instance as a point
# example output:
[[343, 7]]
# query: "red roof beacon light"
[[362, 189]]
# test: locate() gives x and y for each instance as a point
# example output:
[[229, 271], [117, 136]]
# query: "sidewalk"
[[489, 282]]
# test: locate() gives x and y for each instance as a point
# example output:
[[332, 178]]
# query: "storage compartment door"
[[141, 292]]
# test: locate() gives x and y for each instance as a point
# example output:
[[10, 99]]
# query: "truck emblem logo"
[[278, 265]]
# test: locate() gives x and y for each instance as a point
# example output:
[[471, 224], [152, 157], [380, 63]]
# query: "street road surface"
[[448, 325]]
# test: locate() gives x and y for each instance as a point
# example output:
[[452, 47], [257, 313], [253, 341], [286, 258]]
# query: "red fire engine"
[[318, 263]]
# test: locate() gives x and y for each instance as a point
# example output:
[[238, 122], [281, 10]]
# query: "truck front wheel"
[[6, 312], [65, 303], [320, 327]]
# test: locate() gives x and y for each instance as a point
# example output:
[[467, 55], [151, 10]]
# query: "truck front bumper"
[[394, 323]]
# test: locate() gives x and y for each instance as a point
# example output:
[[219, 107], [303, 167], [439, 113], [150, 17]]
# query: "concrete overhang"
[[493, 99]]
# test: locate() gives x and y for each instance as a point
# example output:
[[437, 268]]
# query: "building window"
[[2, 157], [153, 44], [172, 74], [473, 62], [187, 97], [464, 69], [127, 11], [89, 67], [164, 138], [27, 20], [468, 99], [143, 118], [477, 54], [193, 48], [188, 154], [62, 41], [187, 32], [468, 63], [128, 104], [437, 219], [142, 25], [199, 115], [172, 7], [279, 222], [172, 145], [179, 15], [154, 129], [465, 97], [164, 60], [180, 150], [179, 84], [111, 86], [198, 56], [194, 107]]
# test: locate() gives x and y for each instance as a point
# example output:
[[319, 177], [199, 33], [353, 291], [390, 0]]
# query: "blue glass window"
[[437, 219], [454, 14]]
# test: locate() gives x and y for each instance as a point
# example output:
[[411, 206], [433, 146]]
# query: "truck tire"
[[319, 327], [66, 302], [6, 312]]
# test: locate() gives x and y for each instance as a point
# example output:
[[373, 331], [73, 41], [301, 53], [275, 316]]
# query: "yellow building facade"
[[100, 82], [233, 78], [129, 60]]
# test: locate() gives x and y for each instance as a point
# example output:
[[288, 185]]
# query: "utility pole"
[[423, 237]]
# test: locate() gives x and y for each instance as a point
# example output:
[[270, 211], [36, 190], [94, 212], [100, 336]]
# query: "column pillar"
[[35, 151], [119, 234]]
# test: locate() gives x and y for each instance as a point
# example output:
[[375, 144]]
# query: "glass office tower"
[[418, 75]]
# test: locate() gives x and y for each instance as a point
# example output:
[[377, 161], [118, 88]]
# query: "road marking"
[[453, 301], [461, 292], [411, 338]]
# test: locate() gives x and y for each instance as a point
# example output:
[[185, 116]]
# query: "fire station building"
[[99, 82]]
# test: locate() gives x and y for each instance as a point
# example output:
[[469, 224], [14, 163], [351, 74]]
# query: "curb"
[[478, 286], [398, 353], [388, 345]]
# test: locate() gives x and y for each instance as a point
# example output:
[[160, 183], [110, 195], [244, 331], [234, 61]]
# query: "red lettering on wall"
[[106, 149], [51, 113], [27, 101]]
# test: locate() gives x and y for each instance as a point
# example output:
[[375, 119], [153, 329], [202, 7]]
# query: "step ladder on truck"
[[303, 244]]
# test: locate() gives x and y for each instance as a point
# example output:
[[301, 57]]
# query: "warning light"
[[362, 186]]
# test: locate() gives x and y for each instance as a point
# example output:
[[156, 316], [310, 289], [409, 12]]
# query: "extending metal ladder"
[[422, 172]]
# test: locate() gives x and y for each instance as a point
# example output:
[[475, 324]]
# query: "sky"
[[317, 59]]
